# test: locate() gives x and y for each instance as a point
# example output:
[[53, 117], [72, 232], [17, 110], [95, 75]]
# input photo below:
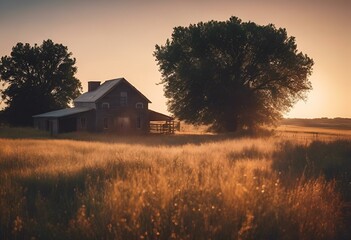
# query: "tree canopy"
[[232, 74], [37, 79]]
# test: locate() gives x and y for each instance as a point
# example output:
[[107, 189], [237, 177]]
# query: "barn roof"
[[156, 116], [63, 112], [103, 89]]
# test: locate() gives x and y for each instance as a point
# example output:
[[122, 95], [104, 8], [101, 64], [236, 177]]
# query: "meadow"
[[187, 186]]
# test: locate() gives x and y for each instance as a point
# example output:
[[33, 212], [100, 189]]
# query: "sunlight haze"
[[112, 39]]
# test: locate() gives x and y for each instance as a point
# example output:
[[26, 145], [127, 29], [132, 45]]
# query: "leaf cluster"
[[37, 79], [232, 74]]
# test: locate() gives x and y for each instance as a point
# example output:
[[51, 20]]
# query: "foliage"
[[216, 189], [232, 74], [37, 79]]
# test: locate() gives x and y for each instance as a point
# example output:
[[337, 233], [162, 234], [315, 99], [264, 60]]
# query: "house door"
[[123, 124]]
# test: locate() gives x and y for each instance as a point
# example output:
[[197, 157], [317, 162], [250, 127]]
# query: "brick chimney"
[[93, 85]]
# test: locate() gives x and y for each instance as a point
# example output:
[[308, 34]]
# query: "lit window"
[[124, 99], [105, 105], [139, 105]]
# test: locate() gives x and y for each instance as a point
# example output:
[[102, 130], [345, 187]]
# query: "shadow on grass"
[[177, 139], [332, 160], [22, 133], [48, 202]]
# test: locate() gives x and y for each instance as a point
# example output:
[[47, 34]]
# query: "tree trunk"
[[231, 124], [227, 124]]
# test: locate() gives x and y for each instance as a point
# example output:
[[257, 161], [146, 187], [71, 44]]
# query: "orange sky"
[[113, 39]]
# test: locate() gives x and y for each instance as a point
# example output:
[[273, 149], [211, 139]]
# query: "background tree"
[[37, 79], [232, 74]]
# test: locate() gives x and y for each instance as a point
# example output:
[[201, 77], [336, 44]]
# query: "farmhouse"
[[114, 106]]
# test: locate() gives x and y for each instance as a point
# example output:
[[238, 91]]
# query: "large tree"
[[37, 79], [232, 74]]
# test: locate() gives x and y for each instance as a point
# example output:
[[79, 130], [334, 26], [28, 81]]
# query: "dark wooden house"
[[114, 106]]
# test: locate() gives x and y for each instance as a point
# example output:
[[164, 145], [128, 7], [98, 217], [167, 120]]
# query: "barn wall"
[[47, 124], [86, 121], [54, 126], [119, 117], [38, 123], [114, 97], [122, 120], [67, 123]]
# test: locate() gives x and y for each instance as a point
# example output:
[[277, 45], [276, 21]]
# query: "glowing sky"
[[113, 39]]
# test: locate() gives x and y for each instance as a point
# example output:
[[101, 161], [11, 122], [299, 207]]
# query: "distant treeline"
[[333, 123]]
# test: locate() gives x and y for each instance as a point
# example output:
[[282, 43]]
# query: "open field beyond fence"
[[174, 187]]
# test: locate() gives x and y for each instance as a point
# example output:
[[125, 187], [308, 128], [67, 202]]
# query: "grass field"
[[96, 186], [322, 128]]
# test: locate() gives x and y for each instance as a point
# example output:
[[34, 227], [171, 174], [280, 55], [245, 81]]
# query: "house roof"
[[103, 89], [156, 116], [63, 112]]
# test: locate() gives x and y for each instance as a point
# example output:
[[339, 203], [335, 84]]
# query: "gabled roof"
[[103, 89], [63, 112]]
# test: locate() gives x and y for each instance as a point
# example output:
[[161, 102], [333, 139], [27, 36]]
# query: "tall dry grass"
[[170, 187]]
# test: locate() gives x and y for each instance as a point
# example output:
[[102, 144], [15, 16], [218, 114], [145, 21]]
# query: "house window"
[[124, 99], [139, 105], [105, 123], [105, 105], [83, 122]]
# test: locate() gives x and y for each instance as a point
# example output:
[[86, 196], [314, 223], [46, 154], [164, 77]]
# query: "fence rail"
[[164, 128]]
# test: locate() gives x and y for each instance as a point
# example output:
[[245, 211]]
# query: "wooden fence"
[[168, 127]]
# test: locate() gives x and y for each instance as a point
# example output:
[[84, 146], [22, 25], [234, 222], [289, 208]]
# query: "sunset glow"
[[113, 39]]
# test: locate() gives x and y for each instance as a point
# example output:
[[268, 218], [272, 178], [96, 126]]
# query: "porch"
[[162, 124]]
